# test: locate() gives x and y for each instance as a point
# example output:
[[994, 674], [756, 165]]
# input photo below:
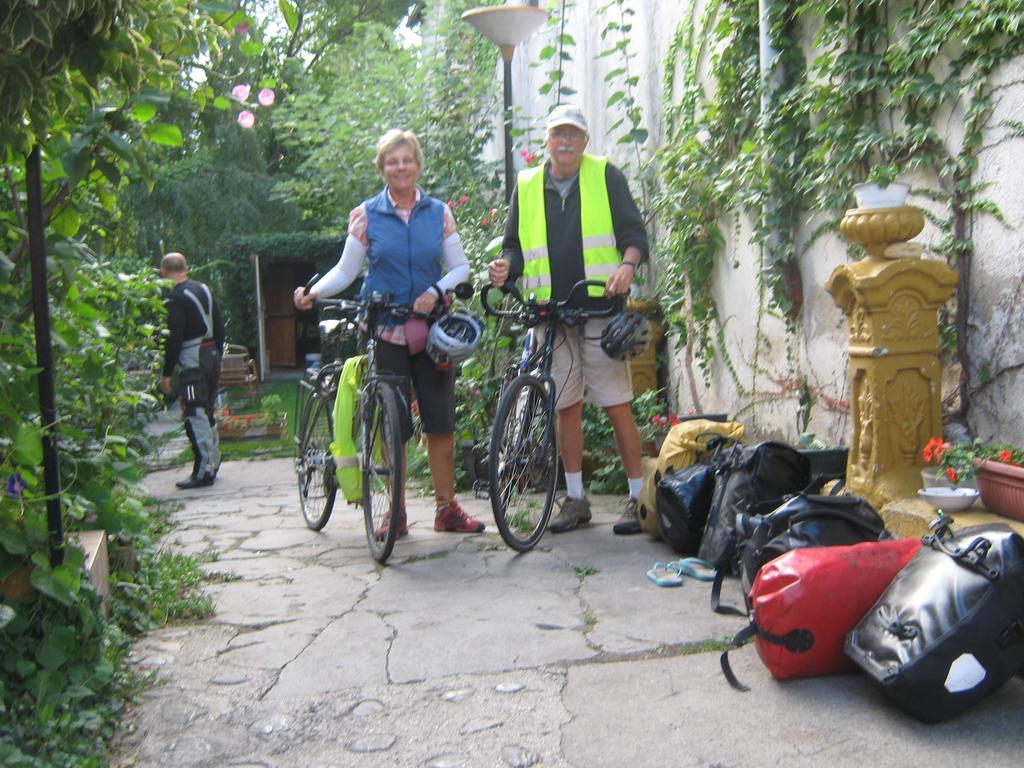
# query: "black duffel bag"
[[949, 630], [805, 520], [683, 501], [753, 480]]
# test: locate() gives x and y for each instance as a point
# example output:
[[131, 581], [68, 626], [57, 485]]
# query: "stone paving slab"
[[461, 652]]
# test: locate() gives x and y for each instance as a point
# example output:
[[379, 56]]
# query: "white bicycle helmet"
[[627, 336], [453, 338]]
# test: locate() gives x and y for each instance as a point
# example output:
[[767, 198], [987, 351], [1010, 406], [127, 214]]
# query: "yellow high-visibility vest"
[[600, 256]]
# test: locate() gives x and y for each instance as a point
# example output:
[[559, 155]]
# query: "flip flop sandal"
[[666, 575], [695, 568]]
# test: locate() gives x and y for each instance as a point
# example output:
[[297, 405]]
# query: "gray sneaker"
[[572, 513], [629, 522]]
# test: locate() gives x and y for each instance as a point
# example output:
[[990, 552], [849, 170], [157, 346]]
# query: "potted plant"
[[881, 190], [995, 469], [654, 419]]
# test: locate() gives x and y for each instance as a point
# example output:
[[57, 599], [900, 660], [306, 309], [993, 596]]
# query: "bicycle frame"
[[519, 462]]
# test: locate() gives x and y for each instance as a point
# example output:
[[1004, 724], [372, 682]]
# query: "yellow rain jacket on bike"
[[343, 447]]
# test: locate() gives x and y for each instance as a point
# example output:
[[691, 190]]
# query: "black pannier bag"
[[683, 501], [805, 520], [949, 630], [753, 480]]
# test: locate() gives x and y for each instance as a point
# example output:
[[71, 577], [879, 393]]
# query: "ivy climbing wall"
[[744, 204]]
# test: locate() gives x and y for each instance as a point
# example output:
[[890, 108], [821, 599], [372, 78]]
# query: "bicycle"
[[376, 434], [376, 429], [523, 453]]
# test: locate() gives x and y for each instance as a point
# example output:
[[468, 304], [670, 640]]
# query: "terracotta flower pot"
[[1002, 488]]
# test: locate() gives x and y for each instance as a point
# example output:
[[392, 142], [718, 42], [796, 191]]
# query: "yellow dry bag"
[[343, 448]]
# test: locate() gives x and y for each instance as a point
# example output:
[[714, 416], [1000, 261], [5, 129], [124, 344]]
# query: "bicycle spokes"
[[523, 462]]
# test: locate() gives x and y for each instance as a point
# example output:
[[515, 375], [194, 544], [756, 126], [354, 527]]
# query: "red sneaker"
[[453, 518], [403, 528]]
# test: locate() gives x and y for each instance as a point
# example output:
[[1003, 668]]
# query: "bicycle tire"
[[522, 463], [314, 464], [380, 443]]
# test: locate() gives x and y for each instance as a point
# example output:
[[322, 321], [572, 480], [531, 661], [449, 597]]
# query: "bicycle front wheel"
[[314, 464], [523, 462], [381, 462]]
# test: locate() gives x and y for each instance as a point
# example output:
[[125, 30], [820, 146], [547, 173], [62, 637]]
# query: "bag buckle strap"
[[794, 641], [1014, 633]]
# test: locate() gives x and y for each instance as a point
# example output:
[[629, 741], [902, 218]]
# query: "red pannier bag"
[[804, 602]]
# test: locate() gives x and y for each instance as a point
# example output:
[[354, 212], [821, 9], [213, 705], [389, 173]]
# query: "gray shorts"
[[580, 364]]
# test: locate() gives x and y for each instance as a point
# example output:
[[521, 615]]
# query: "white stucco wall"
[[817, 352]]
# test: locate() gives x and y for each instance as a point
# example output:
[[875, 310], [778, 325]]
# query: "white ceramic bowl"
[[949, 499]]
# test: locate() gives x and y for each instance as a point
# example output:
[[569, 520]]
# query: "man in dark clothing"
[[571, 220], [195, 344]]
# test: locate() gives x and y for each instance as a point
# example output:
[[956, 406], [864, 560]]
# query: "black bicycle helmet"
[[453, 338], [626, 337]]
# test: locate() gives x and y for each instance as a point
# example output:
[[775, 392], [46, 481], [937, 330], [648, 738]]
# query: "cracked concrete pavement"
[[461, 653]]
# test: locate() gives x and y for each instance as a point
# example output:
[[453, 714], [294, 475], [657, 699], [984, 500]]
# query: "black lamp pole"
[[509, 171], [44, 356]]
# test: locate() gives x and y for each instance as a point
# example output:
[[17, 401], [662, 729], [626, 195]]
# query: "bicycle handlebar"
[[531, 310], [380, 301]]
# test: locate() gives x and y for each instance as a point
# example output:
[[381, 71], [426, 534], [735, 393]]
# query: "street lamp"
[[506, 26]]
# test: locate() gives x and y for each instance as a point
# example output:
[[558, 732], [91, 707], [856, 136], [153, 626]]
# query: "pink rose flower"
[[246, 119], [240, 92], [266, 97]]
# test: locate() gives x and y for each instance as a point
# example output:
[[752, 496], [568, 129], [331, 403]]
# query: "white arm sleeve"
[[345, 271], [455, 262]]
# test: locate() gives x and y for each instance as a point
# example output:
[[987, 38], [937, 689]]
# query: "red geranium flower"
[[951, 474]]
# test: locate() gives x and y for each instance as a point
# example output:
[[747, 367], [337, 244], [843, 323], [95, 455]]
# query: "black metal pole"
[[509, 173], [44, 356]]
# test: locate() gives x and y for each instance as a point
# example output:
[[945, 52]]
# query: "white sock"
[[574, 484], [636, 484]]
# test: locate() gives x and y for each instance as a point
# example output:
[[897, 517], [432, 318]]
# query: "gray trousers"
[[200, 370]]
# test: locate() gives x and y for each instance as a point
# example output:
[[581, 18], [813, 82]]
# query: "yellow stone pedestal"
[[896, 387]]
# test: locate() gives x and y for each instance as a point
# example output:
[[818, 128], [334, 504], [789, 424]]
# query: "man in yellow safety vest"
[[574, 218]]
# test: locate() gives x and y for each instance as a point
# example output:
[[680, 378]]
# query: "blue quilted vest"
[[404, 259]]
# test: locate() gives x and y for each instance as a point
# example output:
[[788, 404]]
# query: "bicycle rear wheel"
[[314, 464], [523, 462], [381, 462]]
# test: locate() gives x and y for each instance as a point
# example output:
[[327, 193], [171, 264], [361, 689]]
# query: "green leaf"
[[251, 48], [21, 30], [164, 133], [222, 103], [13, 541], [143, 112], [291, 17], [56, 648], [28, 446], [51, 583], [110, 171], [67, 222]]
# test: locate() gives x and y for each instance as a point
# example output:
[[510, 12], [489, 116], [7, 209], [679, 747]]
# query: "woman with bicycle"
[[406, 238]]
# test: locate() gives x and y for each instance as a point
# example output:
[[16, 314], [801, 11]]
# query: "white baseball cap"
[[567, 114]]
